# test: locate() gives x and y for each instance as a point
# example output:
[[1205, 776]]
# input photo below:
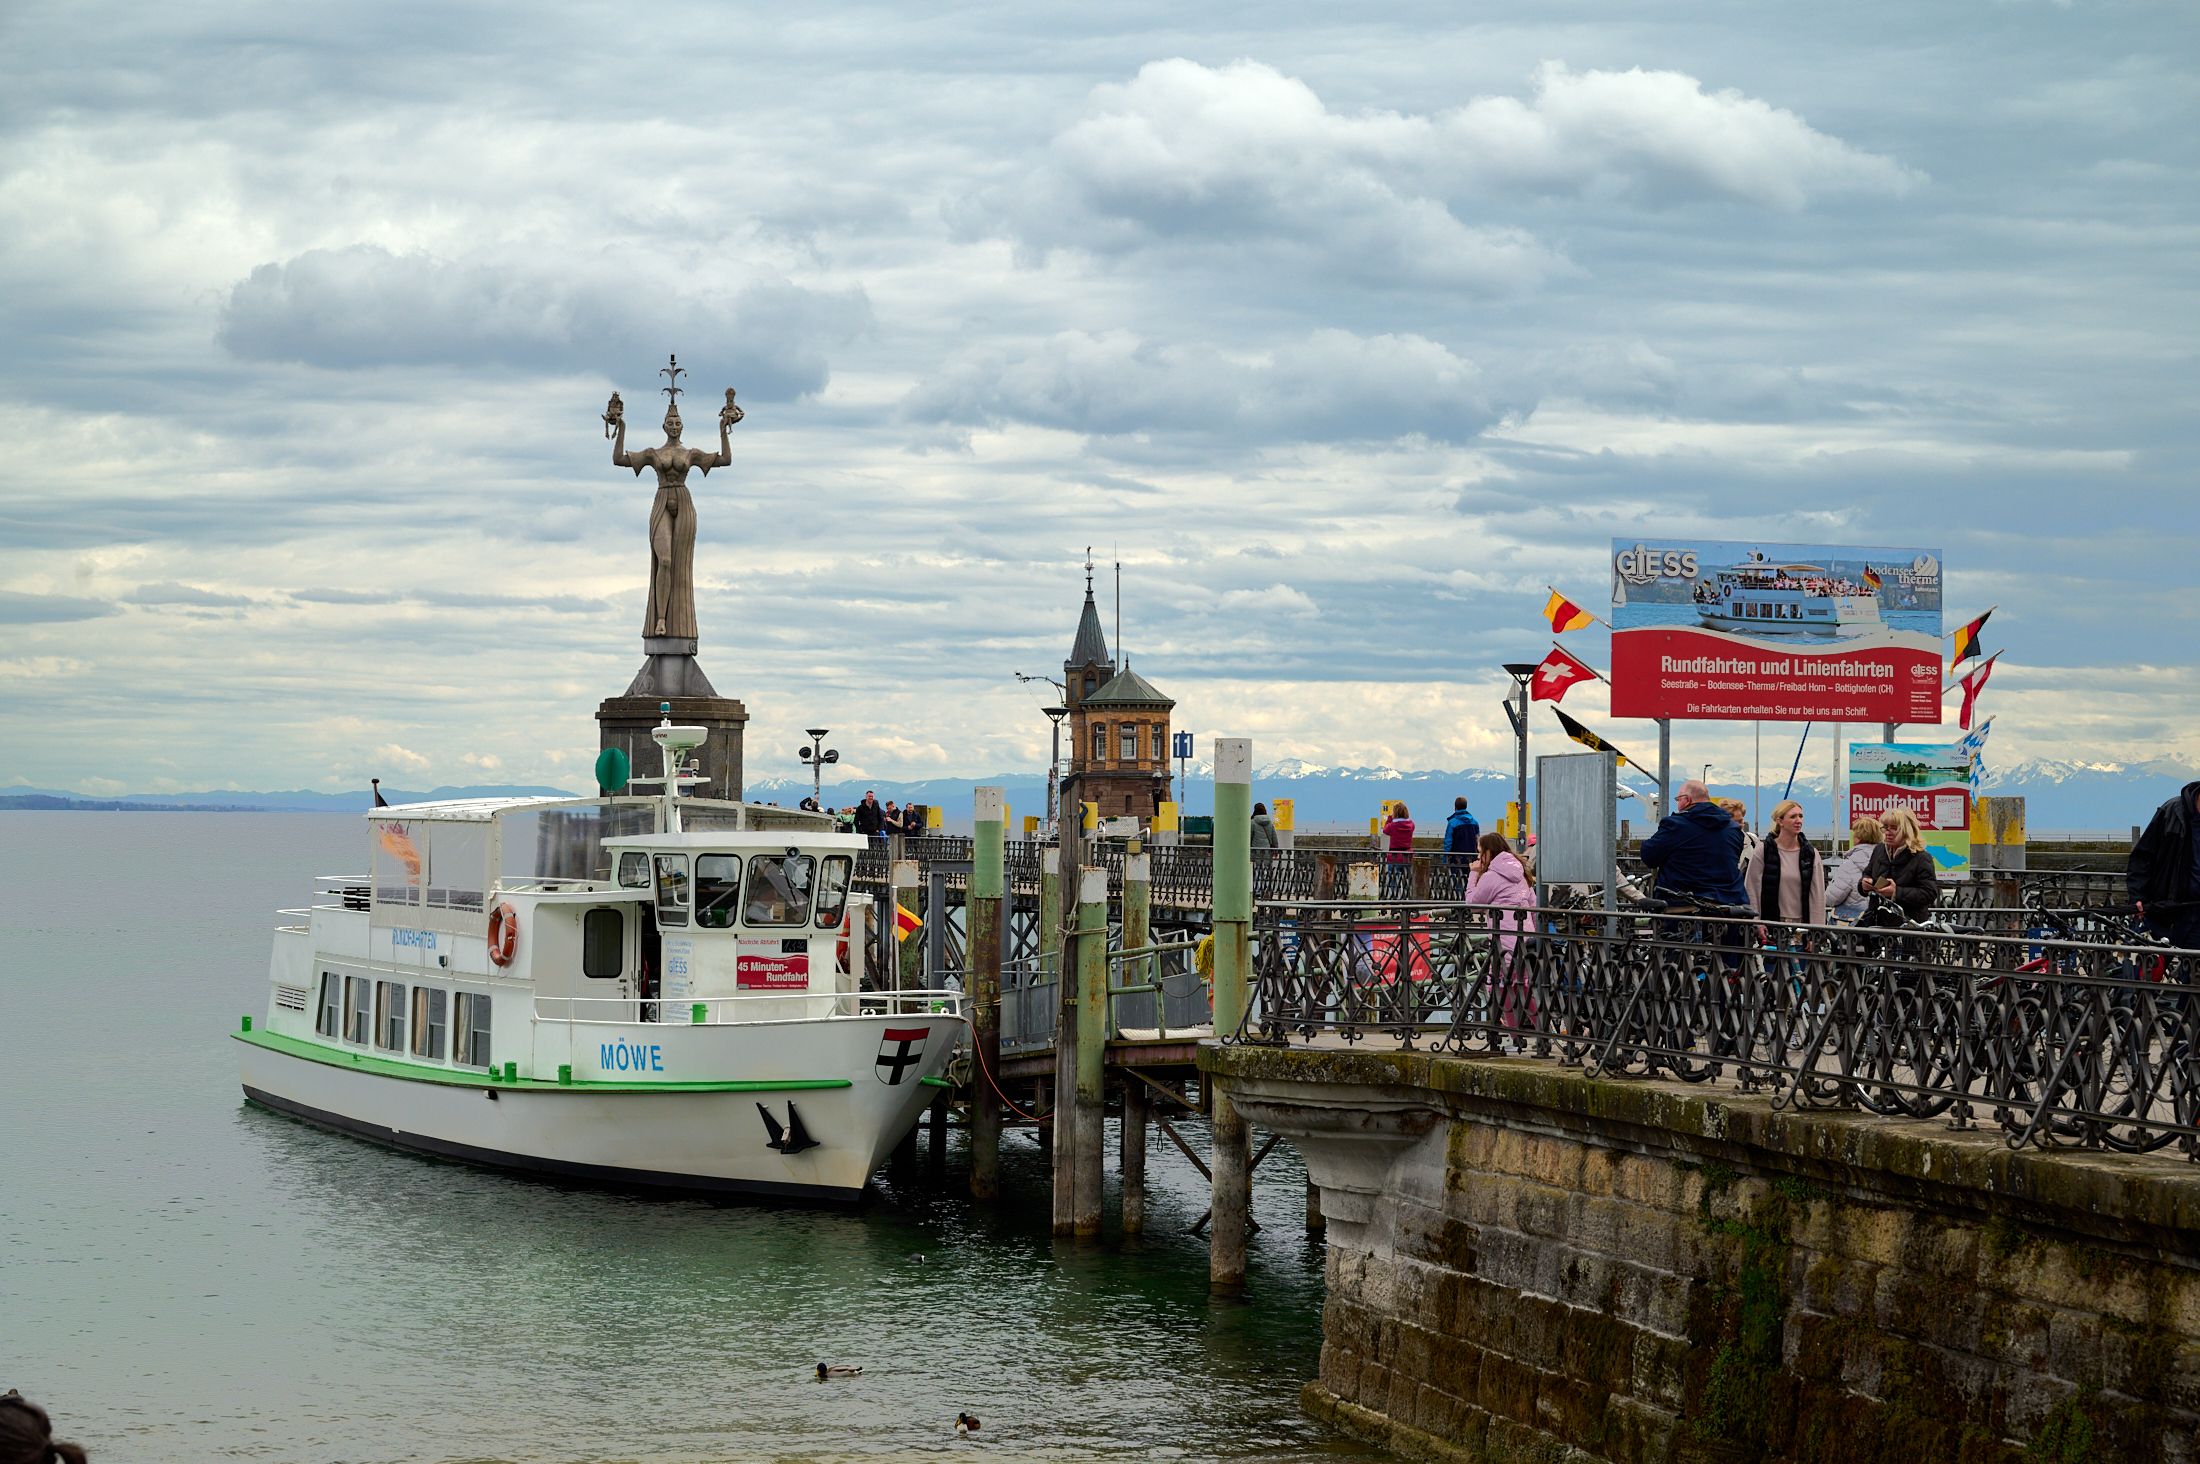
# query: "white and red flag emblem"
[[899, 1050], [1558, 674]]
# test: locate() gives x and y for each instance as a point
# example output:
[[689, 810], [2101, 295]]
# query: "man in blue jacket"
[[1461, 834], [1698, 849]]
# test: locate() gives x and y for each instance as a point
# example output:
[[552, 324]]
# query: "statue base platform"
[[671, 675]]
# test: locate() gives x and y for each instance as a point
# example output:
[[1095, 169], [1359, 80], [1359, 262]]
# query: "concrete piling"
[[988, 886], [1131, 1160], [1052, 954], [1092, 1039], [1231, 1181]]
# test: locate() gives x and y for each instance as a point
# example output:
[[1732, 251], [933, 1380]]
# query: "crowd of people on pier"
[[872, 819]]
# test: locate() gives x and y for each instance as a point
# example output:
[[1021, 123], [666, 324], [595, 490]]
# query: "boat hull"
[[695, 1141]]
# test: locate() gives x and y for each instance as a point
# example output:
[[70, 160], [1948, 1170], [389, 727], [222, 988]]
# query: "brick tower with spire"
[[1119, 724]]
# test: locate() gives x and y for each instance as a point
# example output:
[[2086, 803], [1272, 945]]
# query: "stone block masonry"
[[1528, 1264]]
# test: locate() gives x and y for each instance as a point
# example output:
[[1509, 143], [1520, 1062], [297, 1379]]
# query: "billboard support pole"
[[1886, 732], [1833, 793], [1665, 766]]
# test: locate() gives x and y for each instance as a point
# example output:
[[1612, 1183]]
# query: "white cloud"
[[404, 757]]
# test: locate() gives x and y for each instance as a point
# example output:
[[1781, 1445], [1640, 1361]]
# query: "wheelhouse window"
[[603, 943], [1130, 742], [358, 1009], [832, 889], [327, 1020], [389, 1015], [717, 890], [470, 1039], [672, 889], [633, 870], [779, 889], [429, 1004]]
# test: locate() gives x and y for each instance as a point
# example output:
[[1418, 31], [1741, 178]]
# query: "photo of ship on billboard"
[[1705, 629]]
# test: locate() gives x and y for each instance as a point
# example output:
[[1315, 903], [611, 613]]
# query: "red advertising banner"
[[1775, 632], [772, 973]]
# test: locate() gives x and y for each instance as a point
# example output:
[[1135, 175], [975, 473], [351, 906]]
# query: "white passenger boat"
[[650, 991], [1759, 597]]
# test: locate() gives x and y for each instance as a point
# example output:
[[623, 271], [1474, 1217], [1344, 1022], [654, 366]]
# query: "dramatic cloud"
[[1328, 386], [365, 306]]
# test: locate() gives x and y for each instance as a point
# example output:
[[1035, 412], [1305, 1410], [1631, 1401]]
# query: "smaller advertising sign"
[[1932, 781], [765, 965]]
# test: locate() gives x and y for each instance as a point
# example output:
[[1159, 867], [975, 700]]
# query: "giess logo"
[[1642, 564]]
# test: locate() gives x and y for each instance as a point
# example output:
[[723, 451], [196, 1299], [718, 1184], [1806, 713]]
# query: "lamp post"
[[816, 755], [1054, 765], [1516, 712]]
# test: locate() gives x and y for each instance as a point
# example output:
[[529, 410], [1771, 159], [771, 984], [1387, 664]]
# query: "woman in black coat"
[[1902, 868]]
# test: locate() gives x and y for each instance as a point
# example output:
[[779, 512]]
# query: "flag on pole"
[[1591, 741], [1967, 640], [905, 924], [1564, 614], [1872, 581], [1558, 674], [1973, 748], [1972, 685]]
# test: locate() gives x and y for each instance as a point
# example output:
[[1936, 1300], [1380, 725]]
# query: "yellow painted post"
[[1285, 815], [1091, 820], [935, 817]]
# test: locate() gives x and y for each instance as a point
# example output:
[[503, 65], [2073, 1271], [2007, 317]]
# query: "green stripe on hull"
[[414, 1072]]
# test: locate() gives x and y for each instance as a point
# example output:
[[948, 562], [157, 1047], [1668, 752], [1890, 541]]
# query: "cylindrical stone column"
[[988, 889]]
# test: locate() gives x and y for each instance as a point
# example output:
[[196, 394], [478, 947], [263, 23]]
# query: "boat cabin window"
[[717, 890], [332, 996], [633, 870], [832, 890], [603, 943], [428, 1020], [389, 1015], [470, 1042], [358, 1012], [672, 889], [779, 889]]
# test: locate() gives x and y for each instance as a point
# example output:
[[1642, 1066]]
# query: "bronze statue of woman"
[[671, 612]]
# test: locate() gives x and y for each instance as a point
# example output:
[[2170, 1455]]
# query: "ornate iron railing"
[[2053, 1041]]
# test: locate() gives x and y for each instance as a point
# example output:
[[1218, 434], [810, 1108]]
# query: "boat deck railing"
[[728, 1011]]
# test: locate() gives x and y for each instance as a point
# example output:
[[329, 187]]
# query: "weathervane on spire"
[[1088, 569]]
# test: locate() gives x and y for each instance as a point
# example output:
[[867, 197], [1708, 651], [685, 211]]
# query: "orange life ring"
[[503, 934]]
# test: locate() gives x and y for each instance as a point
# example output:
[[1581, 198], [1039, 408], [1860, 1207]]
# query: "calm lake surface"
[[183, 1277]]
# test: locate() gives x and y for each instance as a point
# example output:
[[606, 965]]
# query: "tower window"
[[1088, 686], [1099, 742], [1130, 742]]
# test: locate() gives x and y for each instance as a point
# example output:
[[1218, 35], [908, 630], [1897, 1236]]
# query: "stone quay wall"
[[1528, 1264]]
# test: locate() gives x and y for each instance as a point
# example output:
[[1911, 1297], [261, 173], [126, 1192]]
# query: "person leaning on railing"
[[1697, 851], [1845, 884], [1782, 873], [1901, 868]]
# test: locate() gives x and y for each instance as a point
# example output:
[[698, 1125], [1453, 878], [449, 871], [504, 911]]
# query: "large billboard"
[[1780, 632], [1934, 783]]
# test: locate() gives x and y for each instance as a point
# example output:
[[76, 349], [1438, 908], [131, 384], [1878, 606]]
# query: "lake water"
[[184, 1277]]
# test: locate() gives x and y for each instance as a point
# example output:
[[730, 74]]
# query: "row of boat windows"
[[368, 1012], [782, 889]]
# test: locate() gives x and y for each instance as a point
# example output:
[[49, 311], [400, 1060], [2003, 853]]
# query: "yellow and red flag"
[[1967, 640], [1564, 614], [1558, 674], [905, 924]]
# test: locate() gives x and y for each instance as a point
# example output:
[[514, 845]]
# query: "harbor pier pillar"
[[1132, 1159], [1232, 1168], [988, 885], [1053, 967], [1139, 971], [1092, 1048]]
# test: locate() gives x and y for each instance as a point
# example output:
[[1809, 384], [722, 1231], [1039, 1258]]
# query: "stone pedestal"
[[672, 675]]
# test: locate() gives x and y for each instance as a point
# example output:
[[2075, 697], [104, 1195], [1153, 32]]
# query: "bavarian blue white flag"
[[1973, 746]]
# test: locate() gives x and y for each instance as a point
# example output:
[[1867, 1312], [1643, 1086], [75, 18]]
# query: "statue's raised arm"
[[727, 416]]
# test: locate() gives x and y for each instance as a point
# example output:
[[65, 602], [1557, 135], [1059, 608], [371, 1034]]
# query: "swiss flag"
[[1557, 675]]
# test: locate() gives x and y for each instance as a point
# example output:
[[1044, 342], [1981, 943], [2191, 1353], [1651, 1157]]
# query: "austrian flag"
[[1558, 674]]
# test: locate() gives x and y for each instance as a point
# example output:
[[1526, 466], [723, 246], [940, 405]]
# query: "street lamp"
[[1516, 712], [817, 754], [1054, 765]]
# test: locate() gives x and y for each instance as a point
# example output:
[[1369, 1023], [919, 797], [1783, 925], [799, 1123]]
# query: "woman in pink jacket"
[[1497, 878]]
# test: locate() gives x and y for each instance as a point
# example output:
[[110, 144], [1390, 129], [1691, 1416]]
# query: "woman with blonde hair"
[[1844, 887], [1782, 873], [1901, 868]]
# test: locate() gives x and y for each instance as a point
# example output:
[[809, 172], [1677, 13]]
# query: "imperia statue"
[[671, 612]]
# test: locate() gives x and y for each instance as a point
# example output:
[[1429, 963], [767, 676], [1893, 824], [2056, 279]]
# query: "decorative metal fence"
[[2065, 1042]]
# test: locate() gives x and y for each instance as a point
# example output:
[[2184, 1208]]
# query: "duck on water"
[[642, 991]]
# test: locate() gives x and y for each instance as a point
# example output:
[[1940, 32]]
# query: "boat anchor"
[[788, 1138]]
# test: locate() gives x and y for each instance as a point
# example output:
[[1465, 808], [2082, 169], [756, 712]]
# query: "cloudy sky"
[[1346, 329]]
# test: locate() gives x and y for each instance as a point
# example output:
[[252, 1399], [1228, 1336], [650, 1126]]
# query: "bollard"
[[1231, 1187], [1092, 1047], [988, 886], [1138, 918]]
